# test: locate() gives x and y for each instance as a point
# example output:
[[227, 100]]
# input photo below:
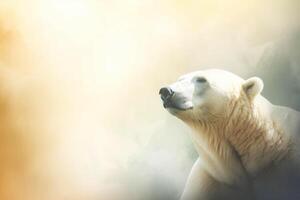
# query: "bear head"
[[209, 95]]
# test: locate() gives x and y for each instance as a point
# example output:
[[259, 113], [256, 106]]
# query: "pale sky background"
[[81, 118]]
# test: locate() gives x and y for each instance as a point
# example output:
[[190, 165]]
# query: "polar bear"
[[248, 148]]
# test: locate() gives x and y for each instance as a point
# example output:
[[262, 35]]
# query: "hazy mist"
[[81, 118]]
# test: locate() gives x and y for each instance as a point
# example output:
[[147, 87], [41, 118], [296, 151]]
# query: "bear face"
[[224, 110], [207, 95]]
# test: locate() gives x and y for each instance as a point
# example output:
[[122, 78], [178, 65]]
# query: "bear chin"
[[177, 110]]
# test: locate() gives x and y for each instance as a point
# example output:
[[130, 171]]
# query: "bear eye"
[[200, 80]]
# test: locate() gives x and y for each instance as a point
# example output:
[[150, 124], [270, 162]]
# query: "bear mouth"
[[172, 105], [173, 101]]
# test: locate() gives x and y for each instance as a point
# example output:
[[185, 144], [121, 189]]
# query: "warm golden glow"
[[79, 87]]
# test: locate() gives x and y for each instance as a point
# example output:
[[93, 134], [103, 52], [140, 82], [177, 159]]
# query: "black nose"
[[166, 93]]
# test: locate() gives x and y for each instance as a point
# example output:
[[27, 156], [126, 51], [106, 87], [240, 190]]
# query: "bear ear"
[[252, 87]]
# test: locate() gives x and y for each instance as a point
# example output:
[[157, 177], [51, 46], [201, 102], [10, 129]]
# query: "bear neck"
[[241, 146], [255, 136]]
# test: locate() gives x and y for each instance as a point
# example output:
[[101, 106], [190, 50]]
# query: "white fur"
[[238, 135]]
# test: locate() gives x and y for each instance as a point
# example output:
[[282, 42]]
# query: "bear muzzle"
[[173, 100], [166, 94]]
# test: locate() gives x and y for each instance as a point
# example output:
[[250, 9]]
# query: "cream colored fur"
[[237, 141]]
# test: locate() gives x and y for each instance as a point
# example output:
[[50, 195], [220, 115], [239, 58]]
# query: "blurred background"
[[80, 114]]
